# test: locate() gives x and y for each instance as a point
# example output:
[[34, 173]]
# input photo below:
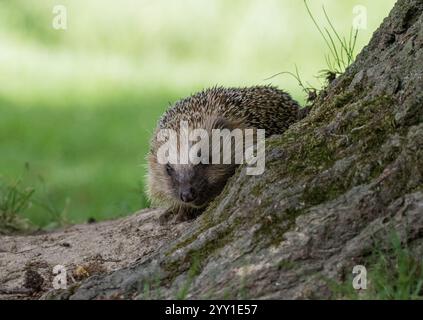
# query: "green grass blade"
[[317, 26]]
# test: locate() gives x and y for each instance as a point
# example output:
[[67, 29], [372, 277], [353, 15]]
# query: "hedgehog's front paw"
[[178, 215], [182, 216], [187, 214], [166, 216]]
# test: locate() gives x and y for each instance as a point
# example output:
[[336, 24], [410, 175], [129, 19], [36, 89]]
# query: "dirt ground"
[[27, 262]]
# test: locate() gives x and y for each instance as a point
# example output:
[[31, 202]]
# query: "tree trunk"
[[335, 183]]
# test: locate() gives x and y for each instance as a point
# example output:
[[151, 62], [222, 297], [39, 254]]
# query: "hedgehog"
[[185, 190]]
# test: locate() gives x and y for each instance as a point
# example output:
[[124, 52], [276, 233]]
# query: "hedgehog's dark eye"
[[169, 169]]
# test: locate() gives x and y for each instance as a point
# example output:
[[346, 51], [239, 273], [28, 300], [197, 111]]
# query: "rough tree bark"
[[334, 184]]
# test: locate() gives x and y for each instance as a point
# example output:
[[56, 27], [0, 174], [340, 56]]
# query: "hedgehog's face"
[[196, 185], [190, 184]]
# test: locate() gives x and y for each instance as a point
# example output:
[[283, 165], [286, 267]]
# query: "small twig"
[[275, 75], [357, 128], [297, 77]]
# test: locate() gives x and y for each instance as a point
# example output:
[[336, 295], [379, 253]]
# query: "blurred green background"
[[77, 106]]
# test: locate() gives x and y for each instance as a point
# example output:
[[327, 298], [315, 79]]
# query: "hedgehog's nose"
[[188, 195]]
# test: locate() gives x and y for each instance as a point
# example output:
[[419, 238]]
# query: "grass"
[[342, 53], [342, 50], [394, 273], [14, 199], [307, 88], [88, 166]]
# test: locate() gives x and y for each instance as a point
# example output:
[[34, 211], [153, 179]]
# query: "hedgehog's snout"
[[187, 194], [187, 183]]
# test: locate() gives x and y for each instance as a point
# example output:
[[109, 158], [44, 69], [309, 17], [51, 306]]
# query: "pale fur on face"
[[207, 180]]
